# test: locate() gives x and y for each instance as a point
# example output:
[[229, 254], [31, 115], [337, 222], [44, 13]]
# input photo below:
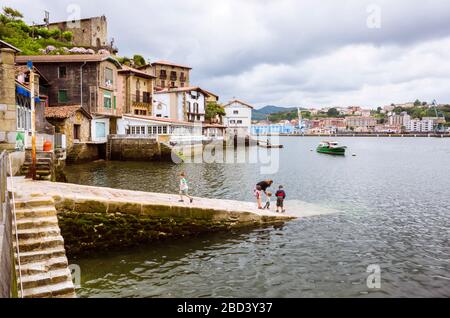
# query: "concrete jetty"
[[96, 218]]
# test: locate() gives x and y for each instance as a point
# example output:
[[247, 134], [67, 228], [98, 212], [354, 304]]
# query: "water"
[[393, 211]]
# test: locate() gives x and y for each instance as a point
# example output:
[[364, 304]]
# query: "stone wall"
[[139, 149], [8, 124], [84, 152], [100, 225], [66, 127]]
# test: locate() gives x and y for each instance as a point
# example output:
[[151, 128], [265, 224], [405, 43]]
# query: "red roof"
[[162, 62], [165, 120], [63, 112], [129, 69], [182, 89]]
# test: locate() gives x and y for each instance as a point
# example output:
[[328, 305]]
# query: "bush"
[[55, 34], [68, 36], [43, 33]]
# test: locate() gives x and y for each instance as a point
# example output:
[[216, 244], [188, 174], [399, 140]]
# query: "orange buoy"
[[47, 145]]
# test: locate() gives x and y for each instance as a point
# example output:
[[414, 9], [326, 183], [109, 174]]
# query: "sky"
[[287, 53]]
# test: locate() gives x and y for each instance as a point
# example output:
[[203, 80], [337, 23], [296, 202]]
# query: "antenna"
[[47, 18]]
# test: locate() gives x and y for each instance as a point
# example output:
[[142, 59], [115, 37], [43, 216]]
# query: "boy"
[[184, 188], [268, 196], [281, 195]]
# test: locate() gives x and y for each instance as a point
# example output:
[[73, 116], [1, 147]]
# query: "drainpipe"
[[81, 84]]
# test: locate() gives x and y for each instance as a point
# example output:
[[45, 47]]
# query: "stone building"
[[86, 80], [8, 107], [89, 32], [135, 91], [171, 75], [72, 121]]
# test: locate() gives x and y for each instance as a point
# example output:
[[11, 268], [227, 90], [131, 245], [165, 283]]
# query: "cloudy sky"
[[285, 52]]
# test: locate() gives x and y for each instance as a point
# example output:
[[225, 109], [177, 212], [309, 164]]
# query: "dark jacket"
[[264, 185]]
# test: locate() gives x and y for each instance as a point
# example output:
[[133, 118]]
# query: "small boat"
[[268, 145], [331, 148]]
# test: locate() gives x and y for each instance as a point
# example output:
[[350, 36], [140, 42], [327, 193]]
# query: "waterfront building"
[[399, 120], [15, 103], [171, 75], [360, 123], [89, 32], [135, 91], [424, 125], [183, 104], [86, 80], [71, 121], [392, 129], [238, 117], [273, 129]]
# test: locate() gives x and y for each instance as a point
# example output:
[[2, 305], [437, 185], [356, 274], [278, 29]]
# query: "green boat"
[[331, 148]]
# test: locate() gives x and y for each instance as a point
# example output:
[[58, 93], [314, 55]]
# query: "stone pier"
[[96, 219]]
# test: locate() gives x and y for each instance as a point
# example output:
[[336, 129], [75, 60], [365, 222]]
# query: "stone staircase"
[[44, 165], [44, 264]]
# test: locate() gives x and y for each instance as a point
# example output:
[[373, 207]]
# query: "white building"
[[424, 125], [184, 104], [399, 120], [238, 117]]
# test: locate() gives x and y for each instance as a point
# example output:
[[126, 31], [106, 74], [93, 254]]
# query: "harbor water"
[[391, 211]]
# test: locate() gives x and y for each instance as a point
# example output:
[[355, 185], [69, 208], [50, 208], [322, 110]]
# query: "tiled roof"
[[182, 89], [71, 58], [7, 45], [164, 120], [239, 102], [162, 62], [62, 112], [128, 69]]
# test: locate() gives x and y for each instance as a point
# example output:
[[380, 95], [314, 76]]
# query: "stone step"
[[40, 244], [33, 202], [46, 279], [37, 211], [44, 266], [36, 222], [38, 233], [63, 289], [40, 256]]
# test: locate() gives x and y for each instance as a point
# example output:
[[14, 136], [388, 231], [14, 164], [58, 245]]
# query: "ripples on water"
[[394, 211]]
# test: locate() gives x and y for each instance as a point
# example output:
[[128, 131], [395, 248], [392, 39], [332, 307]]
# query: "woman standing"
[[262, 187]]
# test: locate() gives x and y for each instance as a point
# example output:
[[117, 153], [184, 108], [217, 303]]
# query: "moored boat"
[[331, 148]]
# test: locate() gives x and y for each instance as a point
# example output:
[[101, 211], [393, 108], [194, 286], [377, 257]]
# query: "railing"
[[141, 99], [8, 221]]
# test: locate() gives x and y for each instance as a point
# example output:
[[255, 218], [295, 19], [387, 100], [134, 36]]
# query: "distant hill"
[[261, 114]]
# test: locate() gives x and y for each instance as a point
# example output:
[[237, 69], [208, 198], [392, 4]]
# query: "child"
[[268, 196], [184, 188], [281, 195]]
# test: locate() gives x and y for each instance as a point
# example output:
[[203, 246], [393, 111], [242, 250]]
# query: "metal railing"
[[8, 226]]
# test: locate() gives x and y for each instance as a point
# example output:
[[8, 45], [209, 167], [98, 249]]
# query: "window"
[[232, 121], [109, 77], [62, 72], [136, 112], [163, 84], [162, 74], [100, 130], [198, 117], [173, 76], [196, 108], [189, 107], [107, 100], [239, 121], [165, 130], [235, 112], [62, 96], [172, 84], [159, 130], [154, 130], [182, 84], [77, 132]]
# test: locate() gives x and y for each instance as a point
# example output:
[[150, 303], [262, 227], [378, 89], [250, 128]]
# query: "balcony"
[[141, 100], [163, 76]]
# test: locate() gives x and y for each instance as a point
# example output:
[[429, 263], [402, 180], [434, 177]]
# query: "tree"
[[333, 112], [138, 60], [417, 103], [12, 14], [379, 109], [213, 109]]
